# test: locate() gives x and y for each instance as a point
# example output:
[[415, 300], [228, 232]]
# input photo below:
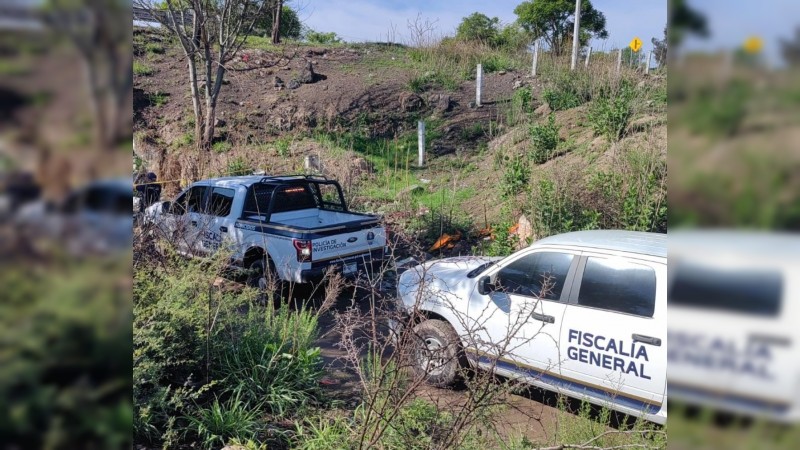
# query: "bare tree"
[[211, 33], [276, 23], [100, 31]]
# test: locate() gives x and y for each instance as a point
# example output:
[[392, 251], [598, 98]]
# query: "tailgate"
[[351, 243]]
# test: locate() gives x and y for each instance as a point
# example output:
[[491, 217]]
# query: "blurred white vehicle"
[[93, 219], [734, 304]]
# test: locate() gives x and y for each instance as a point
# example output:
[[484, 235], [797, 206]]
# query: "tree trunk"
[[276, 23], [95, 102], [196, 108]]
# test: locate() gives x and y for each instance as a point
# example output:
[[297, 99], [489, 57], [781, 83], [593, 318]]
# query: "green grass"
[[544, 140], [141, 69], [157, 98], [14, 67], [153, 48], [221, 147]]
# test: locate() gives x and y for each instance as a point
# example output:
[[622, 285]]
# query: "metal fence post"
[[421, 143], [479, 81]]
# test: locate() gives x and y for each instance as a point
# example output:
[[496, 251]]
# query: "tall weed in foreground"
[[210, 364], [591, 427], [544, 140]]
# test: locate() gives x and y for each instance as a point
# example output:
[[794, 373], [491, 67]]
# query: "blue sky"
[[730, 23], [370, 20]]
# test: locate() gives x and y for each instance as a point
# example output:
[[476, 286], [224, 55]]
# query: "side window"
[[221, 201], [189, 201], [618, 285], [195, 199], [179, 205], [257, 201], [540, 274]]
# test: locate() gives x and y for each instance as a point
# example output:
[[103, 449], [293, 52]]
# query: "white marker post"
[[478, 83], [647, 67], [619, 61], [588, 55], [576, 34], [535, 58], [421, 143]]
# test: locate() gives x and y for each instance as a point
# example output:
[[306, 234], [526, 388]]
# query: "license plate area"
[[349, 268]]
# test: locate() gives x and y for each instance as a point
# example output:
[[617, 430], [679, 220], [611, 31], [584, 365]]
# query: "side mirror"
[[485, 286]]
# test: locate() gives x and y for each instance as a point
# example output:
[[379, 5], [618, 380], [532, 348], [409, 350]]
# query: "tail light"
[[303, 249]]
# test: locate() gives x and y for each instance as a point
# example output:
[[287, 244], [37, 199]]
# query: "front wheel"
[[436, 352]]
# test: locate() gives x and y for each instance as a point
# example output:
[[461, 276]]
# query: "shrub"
[[154, 48], [516, 176], [569, 90], [142, 69], [544, 140], [157, 98], [609, 114], [214, 380], [316, 37], [239, 166], [273, 360], [561, 99], [221, 146]]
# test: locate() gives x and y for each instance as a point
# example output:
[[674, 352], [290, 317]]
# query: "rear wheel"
[[436, 352], [261, 275]]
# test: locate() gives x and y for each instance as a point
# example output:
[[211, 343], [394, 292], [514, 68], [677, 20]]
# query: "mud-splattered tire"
[[436, 352], [262, 279]]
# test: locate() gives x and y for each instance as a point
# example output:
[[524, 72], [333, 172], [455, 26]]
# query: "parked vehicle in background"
[[583, 314], [293, 228]]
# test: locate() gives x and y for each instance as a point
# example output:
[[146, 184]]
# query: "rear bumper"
[[369, 263]]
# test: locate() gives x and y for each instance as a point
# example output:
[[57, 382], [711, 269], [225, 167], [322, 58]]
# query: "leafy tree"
[[553, 21], [683, 21], [478, 27], [513, 36], [790, 49], [660, 48], [290, 25]]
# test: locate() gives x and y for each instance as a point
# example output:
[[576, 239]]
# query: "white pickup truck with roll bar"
[[293, 227]]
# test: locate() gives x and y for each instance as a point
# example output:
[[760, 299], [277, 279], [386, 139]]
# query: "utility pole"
[[575, 37]]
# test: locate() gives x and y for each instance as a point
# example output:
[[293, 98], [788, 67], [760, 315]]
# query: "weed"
[[719, 111], [141, 69], [184, 140], [609, 114], [154, 48], [239, 166], [473, 132], [283, 146], [220, 422], [544, 140], [516, 176], [221, 146], [157, 98]]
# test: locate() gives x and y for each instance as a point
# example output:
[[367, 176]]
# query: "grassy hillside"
[[570, 150]]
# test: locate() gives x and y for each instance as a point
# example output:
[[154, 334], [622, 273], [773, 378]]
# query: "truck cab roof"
[[248, 180]]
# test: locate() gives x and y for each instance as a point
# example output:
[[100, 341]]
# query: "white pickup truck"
[[294, 227], [583, 314]]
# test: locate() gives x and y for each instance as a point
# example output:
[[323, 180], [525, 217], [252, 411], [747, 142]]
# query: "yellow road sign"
[[753, 44], [636, 44]]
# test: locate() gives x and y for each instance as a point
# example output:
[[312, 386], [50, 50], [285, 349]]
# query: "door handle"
[[646, 339], [224, 229], [544, 318], [194, 223]]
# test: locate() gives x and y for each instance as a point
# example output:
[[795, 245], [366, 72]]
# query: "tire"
[[265, 280], [437, 352]]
